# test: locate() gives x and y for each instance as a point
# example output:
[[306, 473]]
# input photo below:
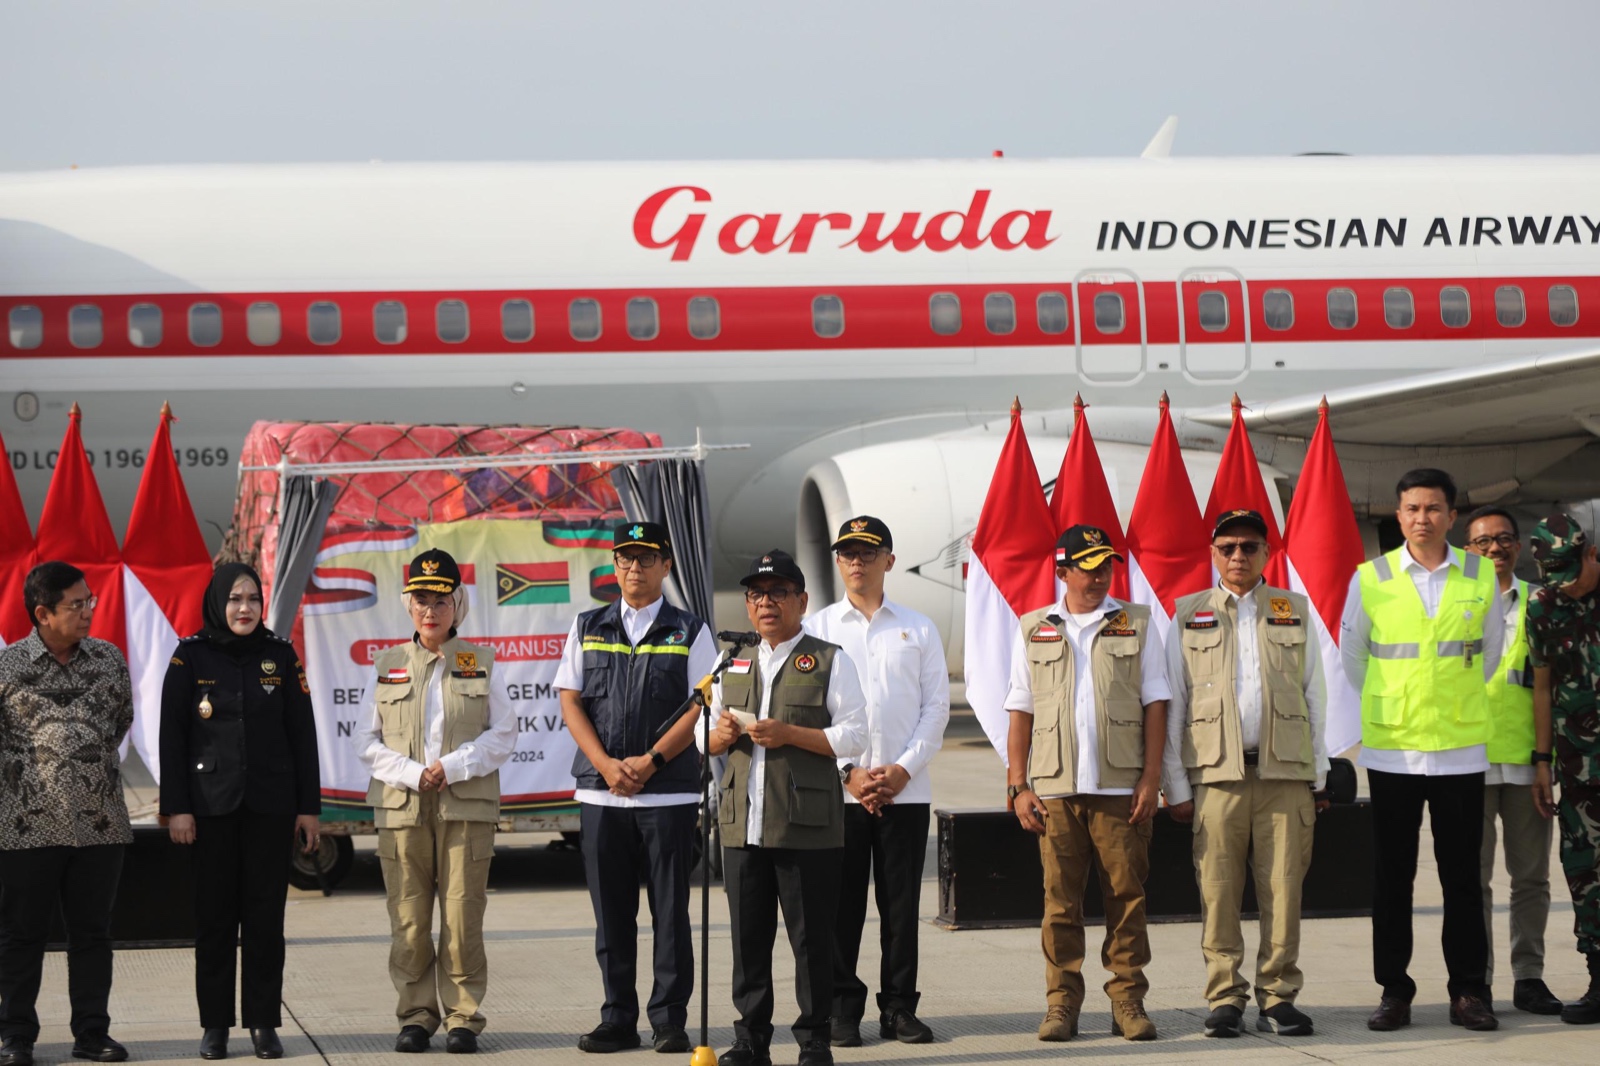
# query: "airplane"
[[862, 325]]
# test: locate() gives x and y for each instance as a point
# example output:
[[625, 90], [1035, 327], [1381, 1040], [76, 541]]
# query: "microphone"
[[738, 639]]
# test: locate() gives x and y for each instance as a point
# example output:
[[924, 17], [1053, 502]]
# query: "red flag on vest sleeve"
[[1167, 555], [167, 569], [1010, 571], [74, 528], [16, 555], [1082, 497], [1323, 550], [1238, 485]]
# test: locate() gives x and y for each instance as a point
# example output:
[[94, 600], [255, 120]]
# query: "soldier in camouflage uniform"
[[1564, 646]]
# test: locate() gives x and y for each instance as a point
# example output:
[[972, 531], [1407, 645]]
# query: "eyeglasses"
[[1248, 547], [867, 556], [643, 560], [79, 606], [777, 595], [435, 607], [1483, 544]]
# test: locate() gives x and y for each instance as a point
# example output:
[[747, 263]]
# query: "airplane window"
[[1000, 313], [389, 321], [1051, 307], [27, 327], [1342, 308], [1108, 316], [516, 321], [1563, 306], [205, 325], [1277, 307], [322, 322], [827, 316], [705, 318], [1455, 306], [451, 322], [83, 326], [1213, 307], [944, 313], [263, 325], [1398, 309], [583, 319], [1509, 308], [144, 325], [643, 322]]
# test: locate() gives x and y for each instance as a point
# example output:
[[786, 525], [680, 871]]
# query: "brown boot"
[[1129, 1021], [1060, 1023]]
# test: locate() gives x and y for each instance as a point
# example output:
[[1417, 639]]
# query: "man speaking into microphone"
[[627, 669]]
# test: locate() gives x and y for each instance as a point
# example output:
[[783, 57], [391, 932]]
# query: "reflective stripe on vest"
[[628, 649], [1510, 694]]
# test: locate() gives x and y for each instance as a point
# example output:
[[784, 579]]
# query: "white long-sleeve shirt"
[[1355, 648], [1246, 696], [899, 660], [481, 756], [847, 711]]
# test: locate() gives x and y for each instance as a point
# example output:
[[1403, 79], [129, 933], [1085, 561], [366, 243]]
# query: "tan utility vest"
[[403, 676], [803, 799], [1213, 748], [1115, 667]]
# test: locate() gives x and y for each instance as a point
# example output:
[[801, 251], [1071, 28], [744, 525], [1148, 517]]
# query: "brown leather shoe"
[[1391, 1014], [1473, 1013]]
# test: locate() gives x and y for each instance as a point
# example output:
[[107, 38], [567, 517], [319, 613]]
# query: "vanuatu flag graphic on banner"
[[603, 584], [522, 583], [579, 534]]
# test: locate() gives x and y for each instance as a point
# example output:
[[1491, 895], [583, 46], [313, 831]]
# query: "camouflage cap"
[[1558, 543]]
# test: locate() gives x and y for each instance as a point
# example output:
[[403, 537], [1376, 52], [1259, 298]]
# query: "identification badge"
[[205, 705]]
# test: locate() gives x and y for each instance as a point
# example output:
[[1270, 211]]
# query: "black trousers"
[[619, 845], [241, 880], [890, 848], [1455, 814], [34, 882], [806, 884]]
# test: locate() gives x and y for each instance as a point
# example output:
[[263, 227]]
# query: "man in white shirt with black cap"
[[899, 657]]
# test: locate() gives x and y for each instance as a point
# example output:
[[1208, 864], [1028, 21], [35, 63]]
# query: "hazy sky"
[[158, 81]]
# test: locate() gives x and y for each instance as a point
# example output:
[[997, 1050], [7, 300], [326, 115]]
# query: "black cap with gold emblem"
[[775, 563], [1239, 517], [864, 531], [1084, 548], [642, 535], [433, 571]]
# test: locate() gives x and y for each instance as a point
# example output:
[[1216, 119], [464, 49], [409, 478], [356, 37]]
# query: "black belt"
[[1252, 758]]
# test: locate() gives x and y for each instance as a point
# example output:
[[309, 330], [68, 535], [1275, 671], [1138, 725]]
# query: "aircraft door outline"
[[1226, 359], [1088, 284]]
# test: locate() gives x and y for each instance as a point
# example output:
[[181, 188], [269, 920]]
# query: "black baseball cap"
[[433, 571], [650, 535], [864, 531], [775, 563], [1240, 517], [1085, 548]]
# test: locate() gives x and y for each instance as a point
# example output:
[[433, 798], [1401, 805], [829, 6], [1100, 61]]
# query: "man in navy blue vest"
[[627, 667]]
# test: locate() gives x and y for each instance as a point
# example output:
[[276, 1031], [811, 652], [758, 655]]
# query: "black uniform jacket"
[[257, 748]]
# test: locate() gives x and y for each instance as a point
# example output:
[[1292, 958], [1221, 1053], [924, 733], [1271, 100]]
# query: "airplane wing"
[[1533, 398]]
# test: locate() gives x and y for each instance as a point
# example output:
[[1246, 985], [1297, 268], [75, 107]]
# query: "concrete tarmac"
[[982, 991]]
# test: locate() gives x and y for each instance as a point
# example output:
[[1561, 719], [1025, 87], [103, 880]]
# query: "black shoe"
[[15, 1051], [900, 1024], [1391, 1014], [1285, 1019], [413, 1039], [1586, 1011], [669, 1039], [844, 1033], [461, 1041], [214, 1044], [815, 1052], [1473, 1012], [1225, 1021], [608, 1037], [98, 1047], [744, 1053], [1534, 996], [267, 1044]]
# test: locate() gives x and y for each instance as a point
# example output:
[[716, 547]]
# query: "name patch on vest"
[[467, 673], [739, 666], [1283, 621], [1117, 626], [805, 664], [395, 677], [1047, 635], [1202, 620]]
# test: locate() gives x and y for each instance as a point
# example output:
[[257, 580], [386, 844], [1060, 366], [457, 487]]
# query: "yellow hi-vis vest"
[[1510, 694], [1424, 689]]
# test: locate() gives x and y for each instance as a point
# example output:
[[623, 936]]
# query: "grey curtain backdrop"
[[673, 493], [307, 502]]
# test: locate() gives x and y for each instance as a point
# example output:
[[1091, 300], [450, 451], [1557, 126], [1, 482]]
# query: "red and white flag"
[[1238, 486], [16, 556], [1082, 497], [1011, 571], [1167, 555], [166, 571], [74, 528], [1324, 549]]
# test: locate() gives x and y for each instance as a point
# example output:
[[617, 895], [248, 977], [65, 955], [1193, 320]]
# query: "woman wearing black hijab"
[[239, 779]]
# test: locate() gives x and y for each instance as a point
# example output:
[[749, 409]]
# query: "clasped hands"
[[625, 777], [877, 786]]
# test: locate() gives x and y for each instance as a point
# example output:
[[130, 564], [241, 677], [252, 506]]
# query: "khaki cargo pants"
[[447, 861]]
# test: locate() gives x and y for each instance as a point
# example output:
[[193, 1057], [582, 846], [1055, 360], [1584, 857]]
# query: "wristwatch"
[[1012, 791], [845, 771], [1541, 756], [657, 759]]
